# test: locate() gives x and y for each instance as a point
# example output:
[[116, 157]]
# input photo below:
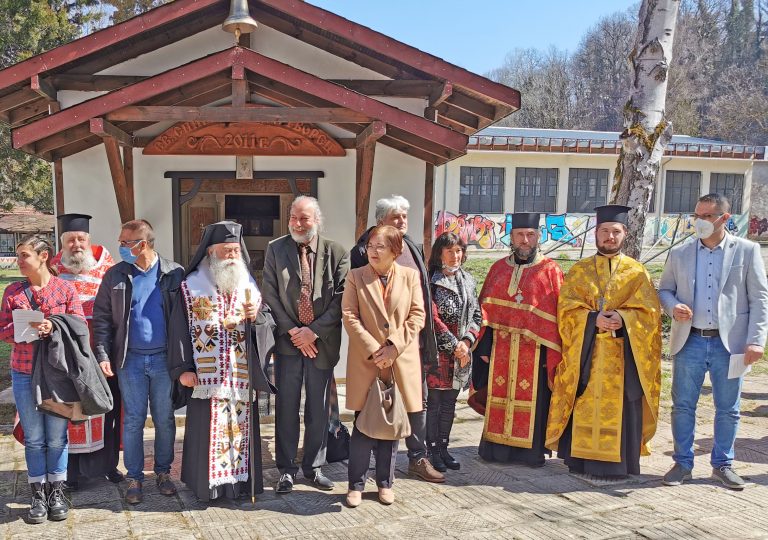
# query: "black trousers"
[[416, 442], [360, 448], [291, 373], [441, 406]]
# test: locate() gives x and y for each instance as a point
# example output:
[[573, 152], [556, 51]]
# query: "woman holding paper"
[[45, 436]]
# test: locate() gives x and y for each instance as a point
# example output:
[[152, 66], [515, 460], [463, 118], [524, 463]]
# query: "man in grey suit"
[[303, 282], [715, 290]]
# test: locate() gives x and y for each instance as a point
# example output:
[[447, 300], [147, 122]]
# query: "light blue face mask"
[[127, 256]]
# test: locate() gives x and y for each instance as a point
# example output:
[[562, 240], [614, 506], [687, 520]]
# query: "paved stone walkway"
[[481, 500]]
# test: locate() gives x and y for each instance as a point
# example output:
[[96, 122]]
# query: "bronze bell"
[[239, 20]]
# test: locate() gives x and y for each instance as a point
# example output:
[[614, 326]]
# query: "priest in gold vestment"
[[518, 348], [605, 398]]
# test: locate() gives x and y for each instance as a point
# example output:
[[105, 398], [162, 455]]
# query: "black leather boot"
[[433, 453], [447, 458], [58, 505], [38, 508]]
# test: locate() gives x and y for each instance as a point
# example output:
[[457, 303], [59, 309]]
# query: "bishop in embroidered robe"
[[519, 348], [207, 358], [605, 399]]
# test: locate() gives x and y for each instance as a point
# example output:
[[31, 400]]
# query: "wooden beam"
[[28, 111], [92, 83], [440, 94], [153, 86], [128, 173], [474, 106], [368, 43], [429, 195], [365, 152], [102, 128], [417, 88], [239, 87], [19, 97], [375, 131], [43, 88], [113, 36], [123, 192], [58, 178], [392, 116], [236, 114]]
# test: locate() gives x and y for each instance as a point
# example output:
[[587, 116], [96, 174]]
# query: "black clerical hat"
[[616, 213], [74, 223], [221, 232], [525, 220]]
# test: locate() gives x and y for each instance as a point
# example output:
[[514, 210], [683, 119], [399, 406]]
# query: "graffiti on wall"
[[476, 230], [492, 231]]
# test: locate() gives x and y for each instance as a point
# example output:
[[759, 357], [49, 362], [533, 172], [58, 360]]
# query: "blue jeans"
[[144, 377], [45, 436], [698, 356]]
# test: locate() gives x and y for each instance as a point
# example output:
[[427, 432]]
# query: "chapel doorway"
[[260, 205]]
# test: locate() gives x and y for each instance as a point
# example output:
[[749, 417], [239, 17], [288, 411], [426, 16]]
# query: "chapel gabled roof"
[[461, 101]]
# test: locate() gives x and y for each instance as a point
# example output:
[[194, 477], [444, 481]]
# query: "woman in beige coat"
[[383, 312]]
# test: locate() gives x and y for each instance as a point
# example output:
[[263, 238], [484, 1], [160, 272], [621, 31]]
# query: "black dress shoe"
[[285, 484], [320, 481], [115, 476]]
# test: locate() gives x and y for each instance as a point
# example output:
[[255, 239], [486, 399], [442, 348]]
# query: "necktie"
[[306, 314]]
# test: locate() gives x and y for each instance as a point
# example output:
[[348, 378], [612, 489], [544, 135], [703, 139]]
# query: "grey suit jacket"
[[281, 287], [742, 307]]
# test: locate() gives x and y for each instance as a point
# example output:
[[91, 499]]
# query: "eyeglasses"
[[129, 243], [379, 248], [707, 216]]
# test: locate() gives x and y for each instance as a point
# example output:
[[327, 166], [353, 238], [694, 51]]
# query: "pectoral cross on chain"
[[519, 296]]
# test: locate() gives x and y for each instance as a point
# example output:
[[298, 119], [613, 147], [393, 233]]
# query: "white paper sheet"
[[736, 368], [22, 332]]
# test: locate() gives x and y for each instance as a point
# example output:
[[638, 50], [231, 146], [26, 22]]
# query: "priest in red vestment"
[[94, 445], [518, 348]]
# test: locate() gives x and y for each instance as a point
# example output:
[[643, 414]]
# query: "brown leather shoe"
[[386, 496], [423, 469], [133, 495], [165, 485]]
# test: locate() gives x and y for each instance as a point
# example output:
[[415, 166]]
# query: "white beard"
[[305, 238], [228, 273], [78, 263]]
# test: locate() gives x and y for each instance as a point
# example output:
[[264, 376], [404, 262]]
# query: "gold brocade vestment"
[[624, 286]]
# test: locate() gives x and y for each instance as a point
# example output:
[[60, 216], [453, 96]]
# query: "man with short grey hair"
[[393, 211], [304, 276]]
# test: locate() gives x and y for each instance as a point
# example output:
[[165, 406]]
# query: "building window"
[[535, 190], [730, 185], [587, 188], [481, 190], [682, 192]]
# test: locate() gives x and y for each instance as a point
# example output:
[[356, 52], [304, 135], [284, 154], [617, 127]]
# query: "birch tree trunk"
[[646, 127]]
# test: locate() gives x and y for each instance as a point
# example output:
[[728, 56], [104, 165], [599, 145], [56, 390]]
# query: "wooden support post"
[[366, 150], [239, 86], [123, 192], [429, 196], [102, 128], [58, 179]]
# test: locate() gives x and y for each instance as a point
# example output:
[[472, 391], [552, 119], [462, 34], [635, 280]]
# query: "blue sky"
[[478, 34]]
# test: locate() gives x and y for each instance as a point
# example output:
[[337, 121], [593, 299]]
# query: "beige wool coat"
[[369, 325]]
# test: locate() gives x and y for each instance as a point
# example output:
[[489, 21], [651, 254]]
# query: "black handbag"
[[337, 448]]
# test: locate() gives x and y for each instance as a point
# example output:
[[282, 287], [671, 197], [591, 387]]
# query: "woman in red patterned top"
[[45, 436]]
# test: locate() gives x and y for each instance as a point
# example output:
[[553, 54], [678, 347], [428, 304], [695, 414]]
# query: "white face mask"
[[704, 228], [451, 269]]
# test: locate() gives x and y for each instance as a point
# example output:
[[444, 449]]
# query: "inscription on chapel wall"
[[235, 138]]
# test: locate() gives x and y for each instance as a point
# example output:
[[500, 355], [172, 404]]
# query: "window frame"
[[545, 204], [486, 196]]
